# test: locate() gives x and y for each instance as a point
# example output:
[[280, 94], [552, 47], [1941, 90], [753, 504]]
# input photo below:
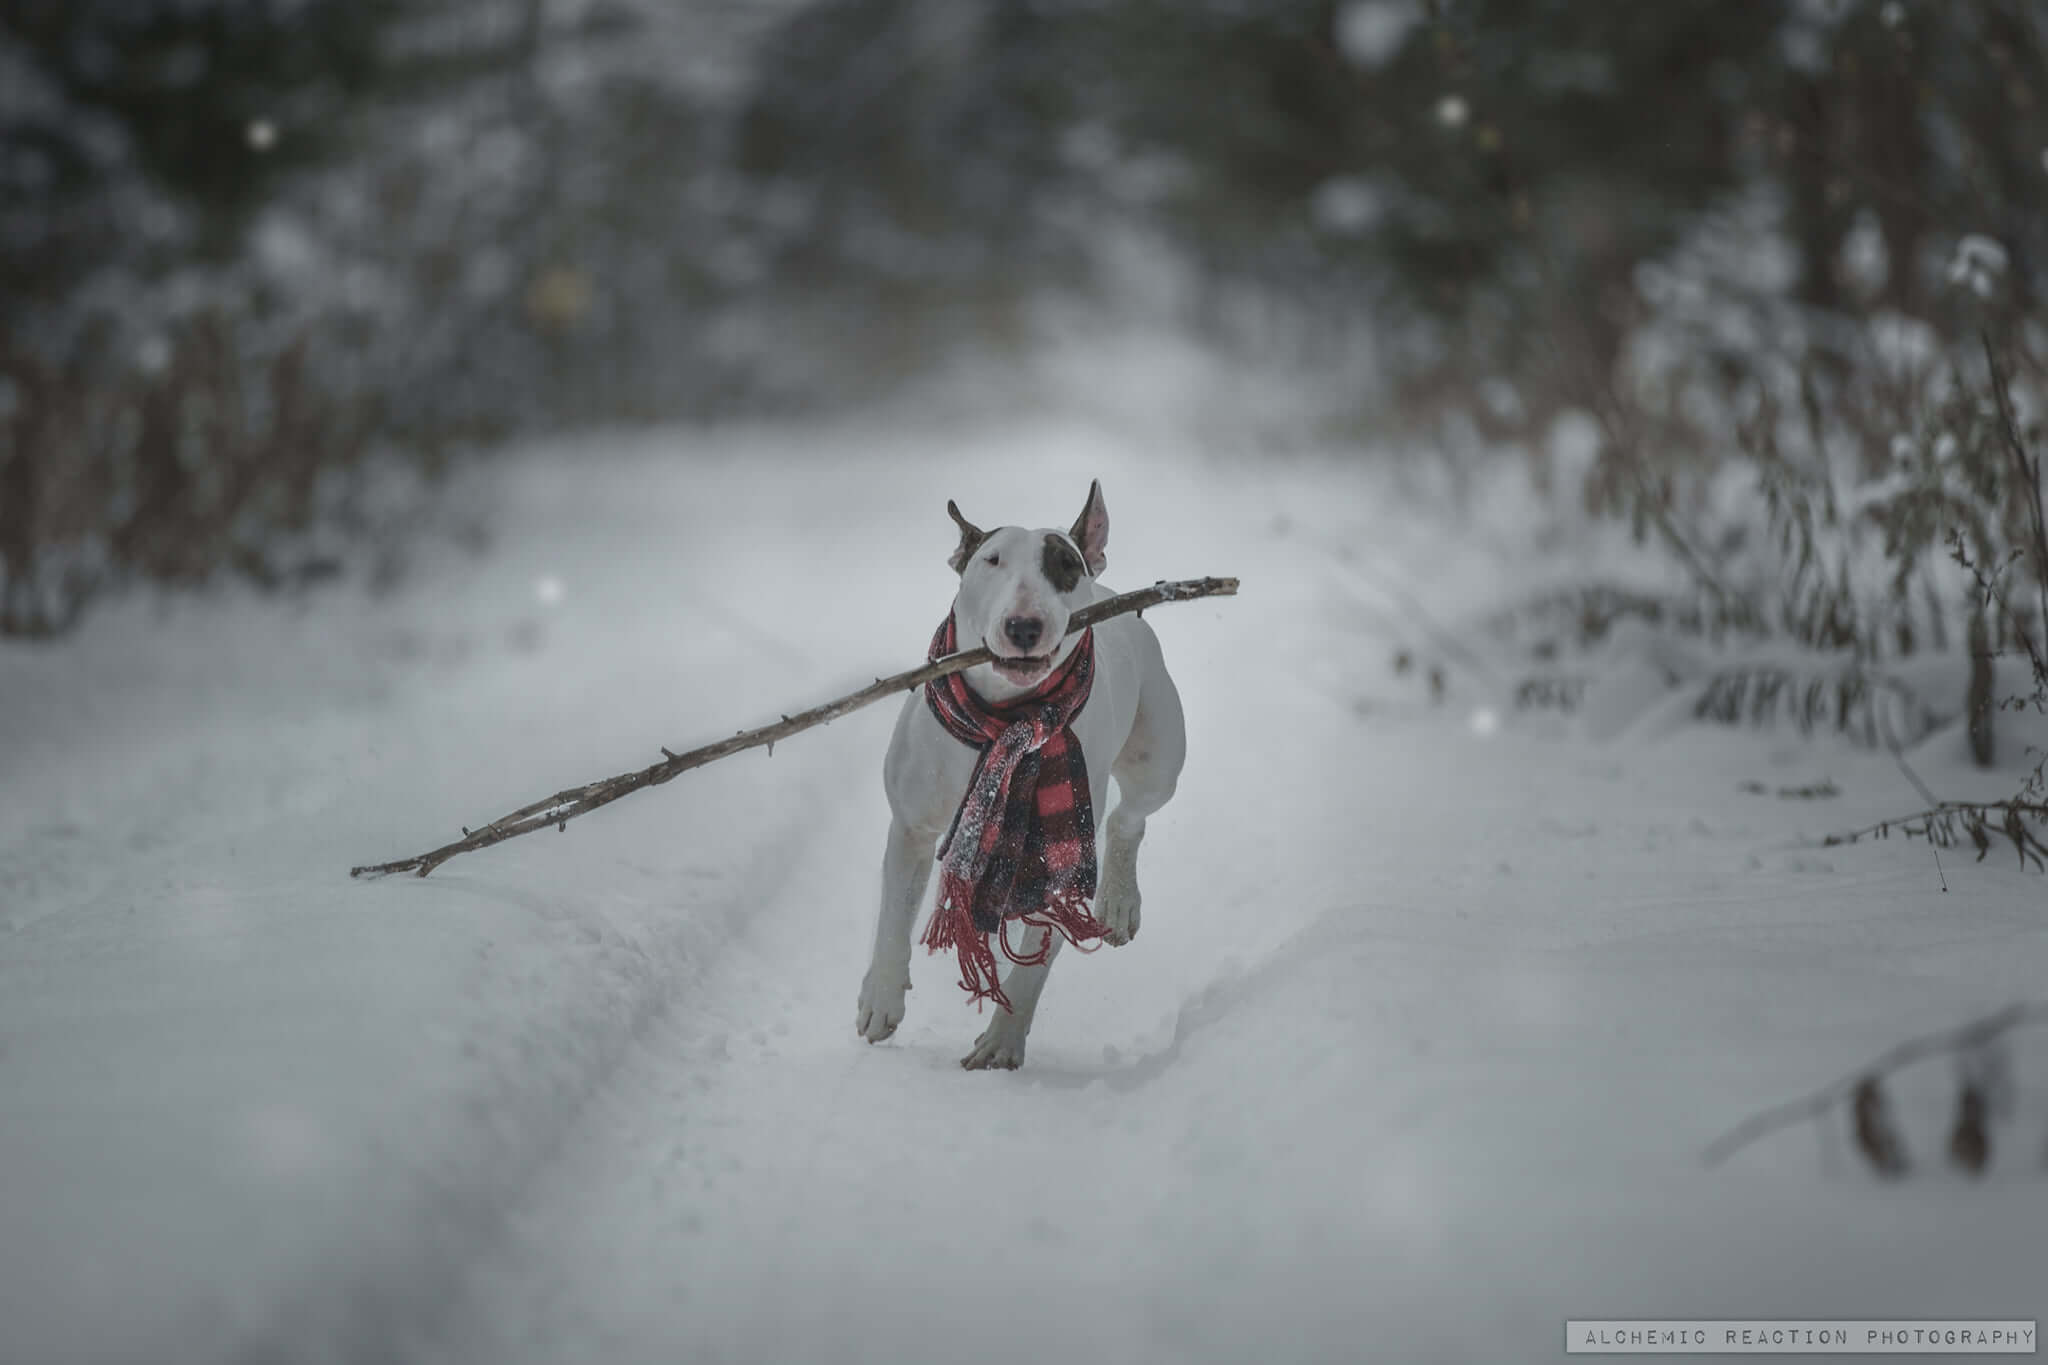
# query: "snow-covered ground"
[[1413, 1061]]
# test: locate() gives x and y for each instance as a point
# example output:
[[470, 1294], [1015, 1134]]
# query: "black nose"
[[1023, 631]]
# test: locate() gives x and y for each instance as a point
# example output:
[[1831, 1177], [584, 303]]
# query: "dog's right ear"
[[971, 537], [1091, 530]]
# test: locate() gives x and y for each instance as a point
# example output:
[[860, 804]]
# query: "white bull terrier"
[[1018, 590]]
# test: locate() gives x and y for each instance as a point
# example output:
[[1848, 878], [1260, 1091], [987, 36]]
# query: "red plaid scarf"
[[1022, 845]]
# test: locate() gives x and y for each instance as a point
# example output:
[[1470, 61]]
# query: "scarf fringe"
[[952, 927]]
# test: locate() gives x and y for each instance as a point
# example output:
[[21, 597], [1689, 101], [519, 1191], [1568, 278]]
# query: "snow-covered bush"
[[1859, 486]]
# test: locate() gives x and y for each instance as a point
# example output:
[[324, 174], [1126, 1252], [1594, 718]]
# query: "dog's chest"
[[1101, 729]]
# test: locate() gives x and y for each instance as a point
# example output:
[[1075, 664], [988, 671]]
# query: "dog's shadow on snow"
[[1201, 1011]]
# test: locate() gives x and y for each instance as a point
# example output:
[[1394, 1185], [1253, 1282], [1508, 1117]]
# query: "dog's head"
[[1018, 590]]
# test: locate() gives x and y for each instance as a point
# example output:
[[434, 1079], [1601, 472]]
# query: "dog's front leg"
[[906, 869], [1119, 903], [1001, 1045], [1146, 773]]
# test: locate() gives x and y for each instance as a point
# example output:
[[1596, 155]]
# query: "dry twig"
[[1874, 1133], [1948, 823], [558, 810]]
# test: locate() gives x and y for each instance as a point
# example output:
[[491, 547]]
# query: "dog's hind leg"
[[1001, 1045], [1146, 773], [906, 869]]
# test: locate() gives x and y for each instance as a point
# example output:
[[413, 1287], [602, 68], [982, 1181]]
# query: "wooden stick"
[[558, 810]]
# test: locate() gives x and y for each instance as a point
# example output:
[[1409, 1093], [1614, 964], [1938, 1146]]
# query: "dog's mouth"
[[1023, 669]]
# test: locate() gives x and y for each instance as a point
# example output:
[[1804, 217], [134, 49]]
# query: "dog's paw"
[[1000, 1048], [1117, 908], [881, 1007]]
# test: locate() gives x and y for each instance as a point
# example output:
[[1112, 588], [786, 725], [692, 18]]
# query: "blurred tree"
[[1481, 177], [1506, 162], [1476, 164], [208, 101], [465, 217], [906, 155]]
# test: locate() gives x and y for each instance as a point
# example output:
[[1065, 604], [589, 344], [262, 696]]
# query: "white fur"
[[1131, 729]]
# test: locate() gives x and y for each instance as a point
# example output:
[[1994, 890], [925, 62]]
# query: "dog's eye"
[[993, 559]]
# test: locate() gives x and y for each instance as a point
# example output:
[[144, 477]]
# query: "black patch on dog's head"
[[1063, 566]]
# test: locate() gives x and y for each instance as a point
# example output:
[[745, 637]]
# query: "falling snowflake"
[[1893, 14], [548, 590], [1484, 721], [1371, 32], [1452, 111], [1346, 206], [1865, 261], [262, 134], [1978, 265]]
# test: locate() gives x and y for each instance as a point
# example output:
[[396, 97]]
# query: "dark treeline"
[[248, 245]]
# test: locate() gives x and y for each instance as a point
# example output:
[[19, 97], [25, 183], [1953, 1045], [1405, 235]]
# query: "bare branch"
[[1964, 1039], [1940, 825], [558, 810]]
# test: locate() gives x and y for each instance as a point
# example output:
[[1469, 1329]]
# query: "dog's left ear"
[[971, 537], [1091, 530]]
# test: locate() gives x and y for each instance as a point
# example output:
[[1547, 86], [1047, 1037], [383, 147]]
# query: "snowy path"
[[1451, 1108], [1412, 1061]]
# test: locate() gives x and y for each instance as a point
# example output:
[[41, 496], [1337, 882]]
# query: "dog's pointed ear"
[[1091, 530], [971, 537]]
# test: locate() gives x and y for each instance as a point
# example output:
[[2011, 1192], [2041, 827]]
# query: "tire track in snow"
[[390, 1308], [716, 1070]]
